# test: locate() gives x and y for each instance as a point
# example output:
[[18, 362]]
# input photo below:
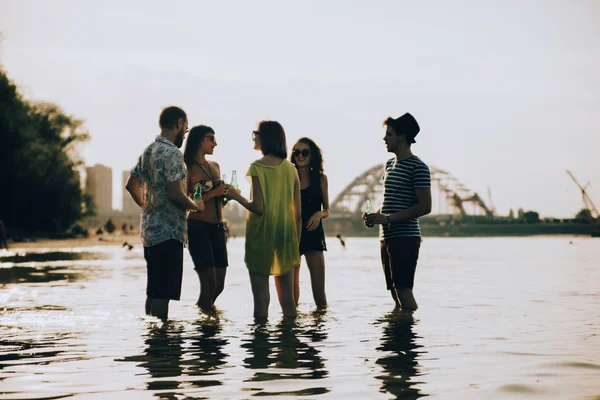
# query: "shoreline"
[[135, 240], [100, 240]]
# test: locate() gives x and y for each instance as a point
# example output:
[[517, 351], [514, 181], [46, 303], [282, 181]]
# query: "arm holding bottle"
[[256, 204], [177, 194], [421, 207]]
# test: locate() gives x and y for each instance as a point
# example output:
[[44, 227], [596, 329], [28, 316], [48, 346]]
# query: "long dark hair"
[[316, 161], [195, 137], [272, 139]]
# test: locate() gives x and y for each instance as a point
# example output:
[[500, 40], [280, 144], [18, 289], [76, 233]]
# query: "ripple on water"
[[61, 338], [577, 365], [521, 389]]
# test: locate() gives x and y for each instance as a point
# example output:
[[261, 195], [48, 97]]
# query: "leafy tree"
[[531, 217], [584, 214], [39, 181]]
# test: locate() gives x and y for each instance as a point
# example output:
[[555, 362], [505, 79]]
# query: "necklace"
[[209, 172]]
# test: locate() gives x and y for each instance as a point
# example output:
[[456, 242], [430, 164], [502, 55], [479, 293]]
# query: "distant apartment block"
[[128, 205], [98, 184]]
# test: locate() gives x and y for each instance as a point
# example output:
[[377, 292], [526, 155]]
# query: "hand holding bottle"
[[221, 189], [233, 193], [369, 210]]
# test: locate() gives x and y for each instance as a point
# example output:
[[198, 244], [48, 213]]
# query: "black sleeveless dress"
[[311, 203]]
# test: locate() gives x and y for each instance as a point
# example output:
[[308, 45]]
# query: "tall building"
[[128, 205], [98, 184]]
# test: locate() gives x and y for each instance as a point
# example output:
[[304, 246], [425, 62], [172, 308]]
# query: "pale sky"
[[507, 93]]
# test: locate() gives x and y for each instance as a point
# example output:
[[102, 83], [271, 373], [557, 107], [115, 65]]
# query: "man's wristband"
[[388, 220]]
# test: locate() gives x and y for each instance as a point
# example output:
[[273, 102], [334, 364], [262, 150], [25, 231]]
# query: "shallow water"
[[498, 318]]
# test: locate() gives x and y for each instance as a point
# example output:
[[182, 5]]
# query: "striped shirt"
[[400, 180]]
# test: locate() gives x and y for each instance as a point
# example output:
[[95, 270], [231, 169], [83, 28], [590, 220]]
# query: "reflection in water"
[[162, 358], [40, 275], [40, 351], [53, 256], [400, 365], [207, 350], [271, 349], [13, 270]]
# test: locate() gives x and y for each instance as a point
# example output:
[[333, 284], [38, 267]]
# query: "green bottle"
[[369, 210], [234, 182], [198, 192], [224, 180]]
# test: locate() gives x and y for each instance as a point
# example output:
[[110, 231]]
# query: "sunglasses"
[[254, 133], [210, 137], [305, 153]]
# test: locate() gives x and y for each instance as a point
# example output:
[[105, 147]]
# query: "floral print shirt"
[[162, 219]]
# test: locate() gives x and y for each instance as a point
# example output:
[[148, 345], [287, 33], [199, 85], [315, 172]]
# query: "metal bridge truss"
[[449, 195]]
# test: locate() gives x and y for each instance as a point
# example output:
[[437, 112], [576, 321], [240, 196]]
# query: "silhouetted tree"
[[584, 215], [39, 179], [531, 217]]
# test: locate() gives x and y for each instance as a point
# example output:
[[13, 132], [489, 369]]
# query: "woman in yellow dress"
[[274, 220]]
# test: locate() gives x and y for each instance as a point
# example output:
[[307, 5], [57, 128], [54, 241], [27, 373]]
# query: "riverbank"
[[100, 240]]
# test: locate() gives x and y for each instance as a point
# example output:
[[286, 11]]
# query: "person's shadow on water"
[[280, 347], [207, 350], [400, 363], [162, 358]]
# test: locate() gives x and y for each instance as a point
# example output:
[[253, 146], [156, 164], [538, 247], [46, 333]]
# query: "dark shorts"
[[399, 257], [207, 244], [312, 240], [164, 263]]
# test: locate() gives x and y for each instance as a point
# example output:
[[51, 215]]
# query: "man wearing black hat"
[[406, 197]]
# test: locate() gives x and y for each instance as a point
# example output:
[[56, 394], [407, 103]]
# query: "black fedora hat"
[[406, 125]]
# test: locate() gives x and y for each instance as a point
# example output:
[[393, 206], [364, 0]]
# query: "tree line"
[[40, 186]]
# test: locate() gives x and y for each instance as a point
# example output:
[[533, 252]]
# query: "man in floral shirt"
[[157, 185]]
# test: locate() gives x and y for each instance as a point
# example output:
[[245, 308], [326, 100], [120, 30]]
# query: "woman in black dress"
[[308, 159]]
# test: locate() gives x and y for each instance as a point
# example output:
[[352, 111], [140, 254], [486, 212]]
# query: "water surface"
[[498, 318]]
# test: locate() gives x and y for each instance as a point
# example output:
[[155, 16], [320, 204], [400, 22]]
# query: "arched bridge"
[[450, 197]]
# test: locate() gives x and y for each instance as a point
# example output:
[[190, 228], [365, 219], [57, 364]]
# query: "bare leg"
[[260, 292], [285, 293], [148, 305], [297, 284], [316, 266], [207, 288], [220, 274], [395, 297], [160, 308], [406, 299]]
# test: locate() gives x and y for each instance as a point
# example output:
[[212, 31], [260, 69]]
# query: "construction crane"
[[587, 201], [490, 202]]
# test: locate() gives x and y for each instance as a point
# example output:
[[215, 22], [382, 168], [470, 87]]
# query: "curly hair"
[[316, 161]]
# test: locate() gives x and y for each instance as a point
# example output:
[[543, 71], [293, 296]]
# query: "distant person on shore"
[[274, 222], [206, 231], [158, 185], [342, 241], [406, 197], [308, 159]]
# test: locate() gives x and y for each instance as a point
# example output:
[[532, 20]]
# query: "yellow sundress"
[[271, 239]]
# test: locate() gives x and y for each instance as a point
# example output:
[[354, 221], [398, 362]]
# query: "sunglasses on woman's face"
[[305, 153], [254, 133]]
